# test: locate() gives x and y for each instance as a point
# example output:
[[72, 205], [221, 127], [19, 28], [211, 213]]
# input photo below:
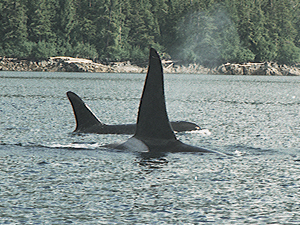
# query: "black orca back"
[[152, 120]]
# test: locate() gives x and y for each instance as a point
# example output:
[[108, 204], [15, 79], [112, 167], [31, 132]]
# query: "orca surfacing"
[[87, 121], [153, 130]]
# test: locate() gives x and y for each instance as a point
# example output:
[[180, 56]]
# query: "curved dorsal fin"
[[152, 120], [84, 117]]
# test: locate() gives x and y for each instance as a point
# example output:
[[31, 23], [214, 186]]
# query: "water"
[[51, 176]]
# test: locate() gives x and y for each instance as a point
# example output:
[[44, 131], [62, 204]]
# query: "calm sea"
[[50, 176]]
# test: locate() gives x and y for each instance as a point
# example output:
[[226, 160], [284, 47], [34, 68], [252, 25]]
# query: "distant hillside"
[[206, 32]]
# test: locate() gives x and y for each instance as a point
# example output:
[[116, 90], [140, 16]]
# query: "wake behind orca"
[[153, 130], [87, 121]]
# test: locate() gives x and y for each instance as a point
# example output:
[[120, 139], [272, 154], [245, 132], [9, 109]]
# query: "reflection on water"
[[150, 161], [49, 175]]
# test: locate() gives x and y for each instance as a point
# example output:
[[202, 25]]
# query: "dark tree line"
[[208, 32]]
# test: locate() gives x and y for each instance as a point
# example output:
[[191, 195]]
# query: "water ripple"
[[51, 176]]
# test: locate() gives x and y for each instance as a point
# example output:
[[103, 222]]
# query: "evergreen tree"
[[117, 35], [85, 28], [143, 30], [159, 10], [1, 29], [287, 51], [176, 11], [13, 29], [237, 51], [63, 25], [111, 35], [39, 21], [260, 42], [296, 20]]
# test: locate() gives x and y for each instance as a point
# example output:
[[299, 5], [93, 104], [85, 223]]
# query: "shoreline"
[[70, 64]]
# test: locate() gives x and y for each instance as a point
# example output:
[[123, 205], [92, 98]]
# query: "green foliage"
[[209, 38], [245, 55], [84, 51], [39, 21], [288, 53], [13, 28], [64, 48], [65, 19], [43, 50], [137, 54], [208, 32]]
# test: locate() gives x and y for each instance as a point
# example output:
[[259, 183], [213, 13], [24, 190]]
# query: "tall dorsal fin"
[[152, 120], [84, 117]]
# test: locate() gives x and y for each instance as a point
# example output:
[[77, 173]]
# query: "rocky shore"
[[69, 64], [267, 68]]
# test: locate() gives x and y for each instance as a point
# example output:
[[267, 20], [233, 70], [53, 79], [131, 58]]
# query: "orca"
[[154, 133], [87, 121]]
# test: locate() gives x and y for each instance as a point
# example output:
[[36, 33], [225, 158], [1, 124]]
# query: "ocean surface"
[[48, 175]]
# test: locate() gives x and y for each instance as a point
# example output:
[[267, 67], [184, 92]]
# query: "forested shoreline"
[[205, 32]]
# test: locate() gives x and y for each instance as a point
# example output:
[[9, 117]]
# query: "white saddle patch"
[[135, 145]]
